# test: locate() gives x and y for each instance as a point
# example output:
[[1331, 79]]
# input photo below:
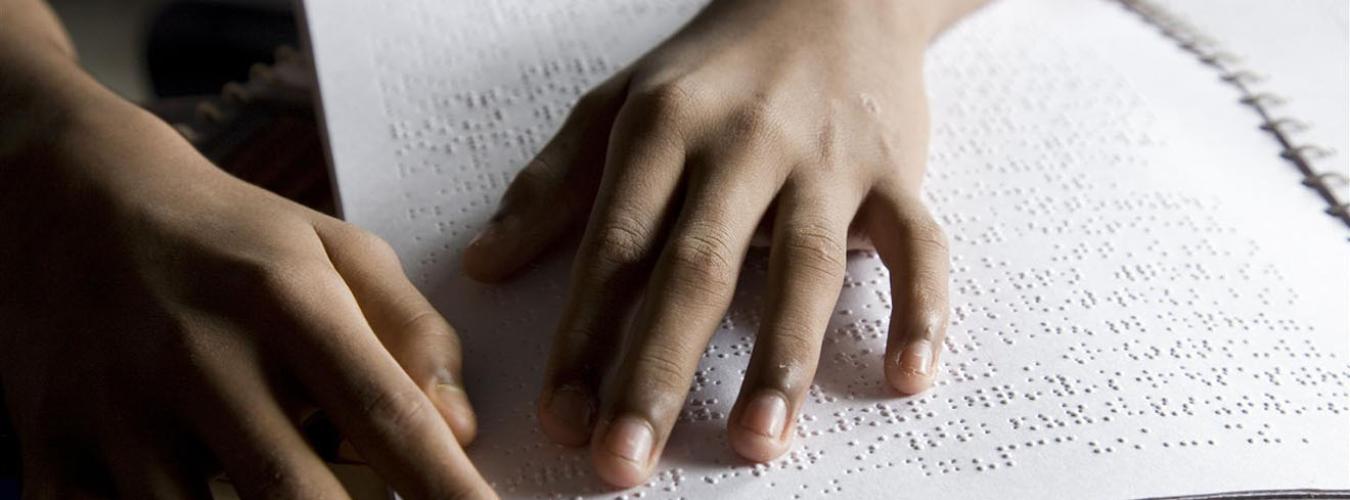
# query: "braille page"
[[1145, 301], [1299, 53]]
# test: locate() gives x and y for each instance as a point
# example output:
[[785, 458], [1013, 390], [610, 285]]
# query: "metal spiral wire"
[[1209, 53]]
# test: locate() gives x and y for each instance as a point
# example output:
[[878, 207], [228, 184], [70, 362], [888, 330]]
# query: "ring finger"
[[806, 270]]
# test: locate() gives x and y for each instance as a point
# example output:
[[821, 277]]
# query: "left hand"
[[807, 116]]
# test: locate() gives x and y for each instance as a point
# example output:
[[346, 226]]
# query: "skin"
[[164, 321], [802, 119]]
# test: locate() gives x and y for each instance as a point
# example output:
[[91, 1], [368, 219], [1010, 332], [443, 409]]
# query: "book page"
[[1145, 300], [1299, 53]]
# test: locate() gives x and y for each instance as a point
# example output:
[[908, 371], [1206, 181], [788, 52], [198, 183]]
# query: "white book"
[[1146, 302]]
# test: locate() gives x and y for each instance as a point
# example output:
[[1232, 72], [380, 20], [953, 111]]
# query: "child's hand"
[[805, 116], [163, 319]]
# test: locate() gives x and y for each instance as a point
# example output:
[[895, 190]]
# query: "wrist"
[[72, 141], [42, 95]]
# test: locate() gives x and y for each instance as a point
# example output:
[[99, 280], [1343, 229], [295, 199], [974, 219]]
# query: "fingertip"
[[913, 369], [458, 413], [482, 259], [758, 430], [908, 383], [616, 472], [622, 454], [757, 448], [566, 415]]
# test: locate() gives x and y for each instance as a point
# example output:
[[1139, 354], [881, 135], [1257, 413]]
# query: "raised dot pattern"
[[1104, 315]]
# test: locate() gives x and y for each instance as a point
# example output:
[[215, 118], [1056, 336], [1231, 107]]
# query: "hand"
[[805, 117], [163, 319]]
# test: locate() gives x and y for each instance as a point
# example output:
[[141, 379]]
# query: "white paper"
[[1300, 50], [1146, 302]]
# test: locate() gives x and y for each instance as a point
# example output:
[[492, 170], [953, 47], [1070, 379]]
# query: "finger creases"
[[406, 324], [914, 248], [641, 176], [692, 285], [806, 272], [361, 386]]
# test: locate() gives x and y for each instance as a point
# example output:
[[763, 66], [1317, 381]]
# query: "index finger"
[[407, 325], [366, 393]]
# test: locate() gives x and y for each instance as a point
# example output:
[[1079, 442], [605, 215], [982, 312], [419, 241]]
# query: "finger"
[[147, 466], [552, 193], [418, 337], [692, 285], [236, 414], [155, 477], [642, 173], [806, 271], [364, 391], [914, 248]]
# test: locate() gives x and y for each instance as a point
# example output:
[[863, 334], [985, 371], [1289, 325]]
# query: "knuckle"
[[922, 230], [660, 367], [429, 326], [397, 409], [292, 280], [755, 121], [814, 246], [270, 276], [664, 102], [794, 341], [621, 241], [184, 351], [925, 234], [370, 245], [704, 256]]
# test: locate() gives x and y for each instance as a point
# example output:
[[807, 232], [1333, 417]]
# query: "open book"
[[1146, 302]]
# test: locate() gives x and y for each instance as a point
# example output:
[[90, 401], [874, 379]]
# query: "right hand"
[[162, 319]]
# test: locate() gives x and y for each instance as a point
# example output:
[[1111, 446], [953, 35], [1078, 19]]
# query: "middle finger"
[[693, 282]]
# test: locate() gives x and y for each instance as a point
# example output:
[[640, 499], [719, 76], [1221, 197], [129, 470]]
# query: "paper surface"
[[1300, 51], [1145, 300]]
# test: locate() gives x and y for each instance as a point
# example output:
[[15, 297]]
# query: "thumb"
[[553, 193]]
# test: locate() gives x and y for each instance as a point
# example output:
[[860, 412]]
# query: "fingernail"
[[631, 439], [462, 420], [918, 357], [452, 395], [447, 391], [571, 407], [766, 415], [486, 236]]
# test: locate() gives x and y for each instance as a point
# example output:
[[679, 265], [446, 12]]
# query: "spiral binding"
[[263, 130], [1282, 128], [217, 125]]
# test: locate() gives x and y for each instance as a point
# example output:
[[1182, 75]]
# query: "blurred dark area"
[[194, 47], [9, 457], [228, 74]]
